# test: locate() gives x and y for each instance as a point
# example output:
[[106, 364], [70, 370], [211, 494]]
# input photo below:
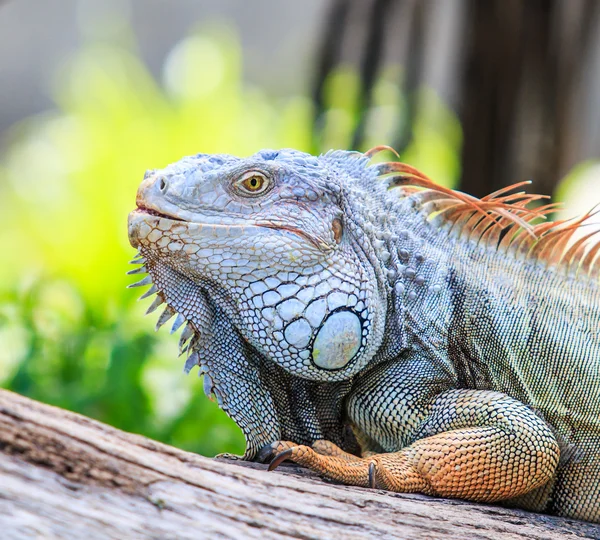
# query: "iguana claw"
[[372, 479], [270, 451], [279, 458]]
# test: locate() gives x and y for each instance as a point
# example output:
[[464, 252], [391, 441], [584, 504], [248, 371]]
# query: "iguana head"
[[272, 243], [272, 233]]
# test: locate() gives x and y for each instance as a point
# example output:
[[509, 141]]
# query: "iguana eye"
[[252, 183]]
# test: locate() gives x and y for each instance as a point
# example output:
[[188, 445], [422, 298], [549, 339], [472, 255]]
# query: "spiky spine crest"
[[502, 220]]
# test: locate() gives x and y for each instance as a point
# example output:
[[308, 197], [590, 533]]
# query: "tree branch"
[[66, 476]]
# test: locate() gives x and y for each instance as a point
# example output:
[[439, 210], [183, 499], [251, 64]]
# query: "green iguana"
[[415, 340]]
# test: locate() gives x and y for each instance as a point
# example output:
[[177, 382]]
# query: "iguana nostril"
[[162, 184]]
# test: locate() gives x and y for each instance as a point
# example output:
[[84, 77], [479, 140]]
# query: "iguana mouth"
[[317, 242], [151, 212]]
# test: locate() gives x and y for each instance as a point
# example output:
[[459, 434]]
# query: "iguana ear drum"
[[338, 340], [338, 229]]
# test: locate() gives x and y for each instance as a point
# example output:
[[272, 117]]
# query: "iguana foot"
[[387, 471], [337, 465]]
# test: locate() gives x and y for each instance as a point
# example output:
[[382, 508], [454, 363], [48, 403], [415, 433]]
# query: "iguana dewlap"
[[414, 339]]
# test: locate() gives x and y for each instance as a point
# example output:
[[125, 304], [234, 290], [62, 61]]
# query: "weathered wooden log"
[[63, 475]]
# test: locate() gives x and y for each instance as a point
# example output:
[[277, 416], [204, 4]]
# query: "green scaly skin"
[[358, 331]]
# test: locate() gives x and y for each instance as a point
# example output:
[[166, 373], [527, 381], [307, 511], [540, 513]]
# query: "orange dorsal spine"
[[503, 219]]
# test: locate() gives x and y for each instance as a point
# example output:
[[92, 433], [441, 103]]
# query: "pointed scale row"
[[502, 219], [188, 339], [188, 336]]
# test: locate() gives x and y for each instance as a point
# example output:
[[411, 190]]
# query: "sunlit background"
[[94, 92]]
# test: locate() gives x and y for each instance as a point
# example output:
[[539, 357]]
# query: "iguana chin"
[[415, 340]]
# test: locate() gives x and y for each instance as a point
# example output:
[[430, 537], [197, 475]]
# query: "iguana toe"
[[270, 451]]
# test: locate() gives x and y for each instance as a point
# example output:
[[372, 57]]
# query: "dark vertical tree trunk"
[[523, 63], [328, 56], [491, 78], [370, 62], [519, 85], [413, 69]]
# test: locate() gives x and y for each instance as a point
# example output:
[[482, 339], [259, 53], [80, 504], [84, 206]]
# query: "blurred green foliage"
[[71, 334]]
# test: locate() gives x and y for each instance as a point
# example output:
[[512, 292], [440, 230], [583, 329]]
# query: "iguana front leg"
[[476, 445]]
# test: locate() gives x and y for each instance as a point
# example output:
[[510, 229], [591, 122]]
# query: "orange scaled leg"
[[479, 464]]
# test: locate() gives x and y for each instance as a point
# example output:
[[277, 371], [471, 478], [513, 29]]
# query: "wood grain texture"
[[66, 476]]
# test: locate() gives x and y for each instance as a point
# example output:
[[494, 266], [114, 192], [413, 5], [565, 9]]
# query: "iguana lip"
[[152, 212]]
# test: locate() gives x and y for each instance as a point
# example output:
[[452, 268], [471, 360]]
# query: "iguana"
[[414, 339]]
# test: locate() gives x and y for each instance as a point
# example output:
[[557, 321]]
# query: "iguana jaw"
[[214, 225], [256, 267], [148, 226]]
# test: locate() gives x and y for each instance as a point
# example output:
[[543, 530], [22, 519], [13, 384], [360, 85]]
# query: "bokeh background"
[[477, 93]]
